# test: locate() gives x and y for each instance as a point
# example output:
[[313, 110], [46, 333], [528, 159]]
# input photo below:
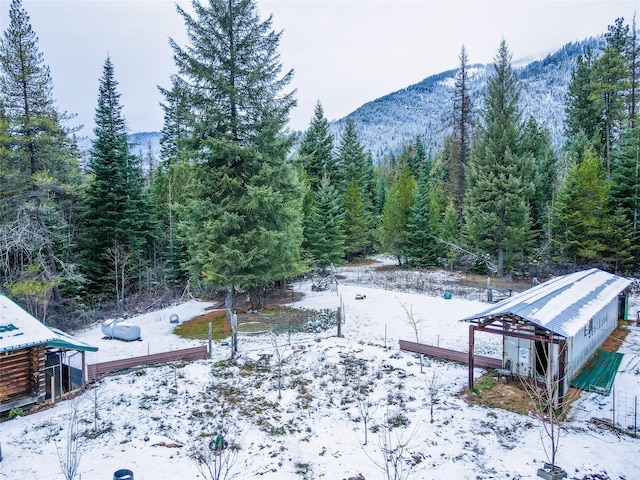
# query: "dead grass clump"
[[490, 391], [198, 327]]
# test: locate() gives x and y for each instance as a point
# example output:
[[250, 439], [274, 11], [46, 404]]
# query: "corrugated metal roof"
[[599, 373], [68, 342], [563, 304]]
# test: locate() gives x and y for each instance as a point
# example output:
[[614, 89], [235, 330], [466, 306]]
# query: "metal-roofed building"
[[555, 327], [34, 359]]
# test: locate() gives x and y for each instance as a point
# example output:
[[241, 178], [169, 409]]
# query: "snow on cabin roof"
[[563, 304], [19, 329]]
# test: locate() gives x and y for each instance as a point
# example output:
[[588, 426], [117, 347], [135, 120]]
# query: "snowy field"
[[150, 420]]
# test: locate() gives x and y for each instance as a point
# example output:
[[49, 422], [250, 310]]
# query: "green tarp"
[[599, 373]]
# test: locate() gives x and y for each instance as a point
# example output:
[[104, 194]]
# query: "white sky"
[[344, 53]]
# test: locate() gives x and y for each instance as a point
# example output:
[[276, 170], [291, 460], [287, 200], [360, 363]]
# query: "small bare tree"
[[215, 448], [279, 358], [120, 257], [415, 323], [69, 456], [395, 460], [95, 403], [548, 404], [433, 387], [366, 408]]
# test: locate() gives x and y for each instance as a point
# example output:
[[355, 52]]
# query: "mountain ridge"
[[388, 123]]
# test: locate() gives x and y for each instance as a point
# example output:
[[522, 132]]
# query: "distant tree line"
[[235, 205]]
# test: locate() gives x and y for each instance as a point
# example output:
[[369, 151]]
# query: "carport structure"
[[554, 328]]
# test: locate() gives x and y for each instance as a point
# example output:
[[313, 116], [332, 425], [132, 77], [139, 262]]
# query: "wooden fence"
[[96, 370], [453, 355]]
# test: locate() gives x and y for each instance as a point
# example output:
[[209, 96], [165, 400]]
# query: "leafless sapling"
[[395, 460], [69, 456], [366, 408], [279, 358], [433, 387], [547, 399], [215, 449], [415, 323]]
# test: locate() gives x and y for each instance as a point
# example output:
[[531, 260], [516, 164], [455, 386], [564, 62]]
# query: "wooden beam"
[[526, 336], [472, 329], [562, 359]]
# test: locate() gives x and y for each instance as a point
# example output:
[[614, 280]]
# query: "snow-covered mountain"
[[388, 123]]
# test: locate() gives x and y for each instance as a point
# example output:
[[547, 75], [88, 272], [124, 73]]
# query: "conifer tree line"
[[236, 204]]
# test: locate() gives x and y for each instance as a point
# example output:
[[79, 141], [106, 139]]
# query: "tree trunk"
[[500, 267], [254, 298]]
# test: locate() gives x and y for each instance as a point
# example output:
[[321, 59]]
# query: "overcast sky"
[[344, 53]]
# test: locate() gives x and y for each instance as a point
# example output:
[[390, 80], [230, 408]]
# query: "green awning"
[[599, 373], [67, 342]]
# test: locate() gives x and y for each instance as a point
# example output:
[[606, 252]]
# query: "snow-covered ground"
[[149, 420]]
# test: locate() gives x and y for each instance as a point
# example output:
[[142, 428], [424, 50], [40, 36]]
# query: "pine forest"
[[236, 203]]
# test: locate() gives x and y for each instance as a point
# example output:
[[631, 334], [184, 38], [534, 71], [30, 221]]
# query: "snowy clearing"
[[149, 420]]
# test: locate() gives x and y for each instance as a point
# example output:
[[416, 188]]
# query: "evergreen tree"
[[625, 182], [421, 164], [633, 60], [499, 175], [170, 183], [611, 81], [445, 174], [116, 222], [462, 128], [582, 109], [323, 237], [316, 150], [395, 215], [39, 165], [356, 224], [355, 166], [581, 211], [536, 141], [242, 222], [421, 249]]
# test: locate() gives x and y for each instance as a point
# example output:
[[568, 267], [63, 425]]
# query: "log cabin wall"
[[22, 375]]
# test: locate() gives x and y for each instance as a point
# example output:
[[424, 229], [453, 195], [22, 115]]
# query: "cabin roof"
[[562, 305], [19, 329]]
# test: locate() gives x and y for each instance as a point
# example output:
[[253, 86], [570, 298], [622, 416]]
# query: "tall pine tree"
[[323, 236], [499, 176], [462, 128], [116, 223], [421, 249], [242, 221], [396, 212], [580, 213], [316, 150], [356, 174]]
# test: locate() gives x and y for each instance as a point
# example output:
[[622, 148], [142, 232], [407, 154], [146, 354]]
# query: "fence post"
[[210, 338], [613, 419]]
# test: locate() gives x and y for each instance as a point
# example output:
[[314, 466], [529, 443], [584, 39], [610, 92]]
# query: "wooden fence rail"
[[454, 355], [96, 370]]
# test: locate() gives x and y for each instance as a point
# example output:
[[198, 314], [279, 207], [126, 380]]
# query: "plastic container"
[[123, 474]]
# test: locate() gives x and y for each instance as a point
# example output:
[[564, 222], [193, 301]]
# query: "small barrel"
[[123, 474]]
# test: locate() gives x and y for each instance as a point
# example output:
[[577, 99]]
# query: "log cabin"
[[35, 360]]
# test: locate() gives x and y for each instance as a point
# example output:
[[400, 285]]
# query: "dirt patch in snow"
[[500, 392], [612, 344]]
